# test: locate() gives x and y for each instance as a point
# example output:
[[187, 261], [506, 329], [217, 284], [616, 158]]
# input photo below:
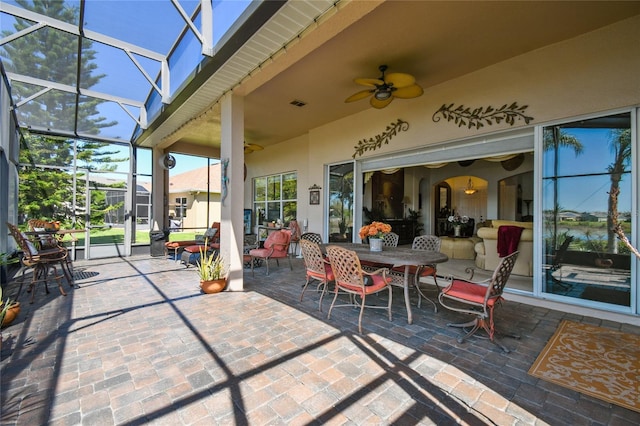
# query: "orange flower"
[[374, 230]]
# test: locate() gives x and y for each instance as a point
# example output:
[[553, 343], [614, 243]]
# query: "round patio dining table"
[[396, 256]]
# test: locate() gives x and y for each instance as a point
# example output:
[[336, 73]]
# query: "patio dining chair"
[[479, 300], [312, 236], [317, 268], [427, 243], [351, 279], [390, 239], [51, 240], [558, 259], [42, 262]]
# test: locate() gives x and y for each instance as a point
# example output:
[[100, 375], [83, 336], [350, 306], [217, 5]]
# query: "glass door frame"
[[539, 289], [356, 199]]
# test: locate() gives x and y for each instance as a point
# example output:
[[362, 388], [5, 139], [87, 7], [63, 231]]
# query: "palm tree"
[[554, 138], [620, 144]]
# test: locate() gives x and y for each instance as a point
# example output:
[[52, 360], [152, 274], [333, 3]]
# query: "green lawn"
[[116, 235]]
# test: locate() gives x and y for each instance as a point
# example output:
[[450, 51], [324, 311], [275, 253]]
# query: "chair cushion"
[[267, 252], [327, 270], [378, 283], [177, 244], [278, 238], [472, 292], [194, 248], [260, 252]]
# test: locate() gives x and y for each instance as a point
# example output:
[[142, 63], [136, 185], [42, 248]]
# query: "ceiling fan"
[[251, 147], [387, 87]]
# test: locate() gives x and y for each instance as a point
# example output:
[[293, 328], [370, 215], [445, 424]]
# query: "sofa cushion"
[[492, 234], [498, 223]]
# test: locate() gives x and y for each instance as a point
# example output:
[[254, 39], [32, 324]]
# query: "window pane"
[[259, 189], [273, 188], [279, 204], [273, 211], [290, 209], [290, 186], [584, 163]]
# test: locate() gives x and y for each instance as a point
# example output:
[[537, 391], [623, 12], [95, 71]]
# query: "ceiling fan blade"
[[251, 147], [408, 92], [373, 82], [360, 95], [399, 79], [380, 104]]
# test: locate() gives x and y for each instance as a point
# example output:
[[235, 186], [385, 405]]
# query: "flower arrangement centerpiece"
[[375, 232], [457, 221]]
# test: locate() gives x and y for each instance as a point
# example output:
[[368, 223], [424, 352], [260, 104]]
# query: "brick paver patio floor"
[[137, 343]]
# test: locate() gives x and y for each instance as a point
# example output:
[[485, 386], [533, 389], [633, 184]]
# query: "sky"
[[150, 24], [583, 189]]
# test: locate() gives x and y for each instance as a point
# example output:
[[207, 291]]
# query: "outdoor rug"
[[595, 361]]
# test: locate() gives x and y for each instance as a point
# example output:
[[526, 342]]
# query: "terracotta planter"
[[214, 286], [11, 314]]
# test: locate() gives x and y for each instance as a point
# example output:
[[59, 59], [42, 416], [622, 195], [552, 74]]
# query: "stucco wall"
[[589, 74]]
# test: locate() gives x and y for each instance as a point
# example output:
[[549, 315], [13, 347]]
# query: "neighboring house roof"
[[196, 180]]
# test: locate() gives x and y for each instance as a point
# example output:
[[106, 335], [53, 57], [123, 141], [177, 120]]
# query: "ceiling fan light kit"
[[387, 87]]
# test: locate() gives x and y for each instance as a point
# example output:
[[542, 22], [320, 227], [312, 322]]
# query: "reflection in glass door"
[[340, 214], [584, 164]]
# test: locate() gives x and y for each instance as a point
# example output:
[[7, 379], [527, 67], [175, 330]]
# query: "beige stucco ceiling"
[[433, 41]]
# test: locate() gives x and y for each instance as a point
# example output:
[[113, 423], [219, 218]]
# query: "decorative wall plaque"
[[376, 142], [478, 117]]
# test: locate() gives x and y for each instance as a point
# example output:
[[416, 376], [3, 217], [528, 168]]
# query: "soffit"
[[433, 41]]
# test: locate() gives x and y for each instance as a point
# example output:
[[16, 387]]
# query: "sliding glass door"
[[586, 187]]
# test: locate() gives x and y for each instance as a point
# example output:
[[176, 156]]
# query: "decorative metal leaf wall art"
[[376, 142], [478, 117]]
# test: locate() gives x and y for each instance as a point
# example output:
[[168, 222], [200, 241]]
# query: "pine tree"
[[45, 189]]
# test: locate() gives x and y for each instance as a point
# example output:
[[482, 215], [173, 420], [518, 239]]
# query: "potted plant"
[[211, 269], [9, 310], [599, 246]]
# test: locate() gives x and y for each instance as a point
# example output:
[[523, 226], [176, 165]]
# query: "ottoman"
[[458, 248]]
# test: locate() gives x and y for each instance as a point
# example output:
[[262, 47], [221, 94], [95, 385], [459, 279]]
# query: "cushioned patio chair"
[[212, 235], [317, 268], [276, 246], [350, 278], [479, 300]]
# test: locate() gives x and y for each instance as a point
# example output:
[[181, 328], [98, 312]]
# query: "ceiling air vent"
[[297, 103]]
